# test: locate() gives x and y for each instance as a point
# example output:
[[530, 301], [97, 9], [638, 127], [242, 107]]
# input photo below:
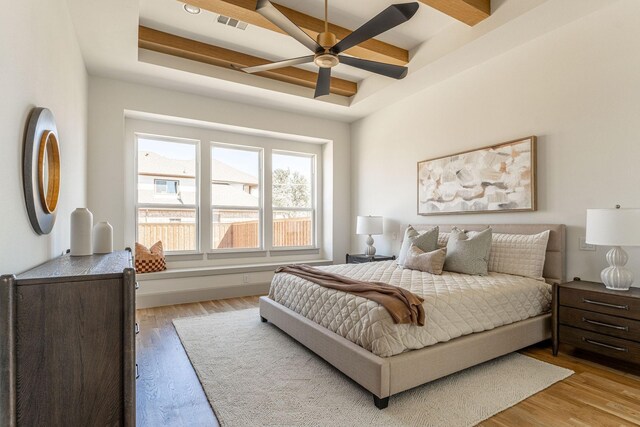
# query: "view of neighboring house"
[[167, 199], [162, 180]]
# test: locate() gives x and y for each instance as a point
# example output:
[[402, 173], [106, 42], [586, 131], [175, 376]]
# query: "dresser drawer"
[[617, 305], [602, 323], [599, 343]]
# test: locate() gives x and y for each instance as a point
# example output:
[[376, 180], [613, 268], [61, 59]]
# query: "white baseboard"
[[159, 299]]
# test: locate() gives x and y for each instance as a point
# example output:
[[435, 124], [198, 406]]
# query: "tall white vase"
[[102, 238], [81, 232]]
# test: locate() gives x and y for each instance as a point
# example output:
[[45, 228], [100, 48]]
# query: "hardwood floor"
[[170, 394], [168, 390]]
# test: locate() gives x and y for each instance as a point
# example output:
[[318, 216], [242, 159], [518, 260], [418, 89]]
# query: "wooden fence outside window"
[[287, 232]]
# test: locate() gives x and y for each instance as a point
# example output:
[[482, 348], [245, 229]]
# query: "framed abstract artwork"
[[499, 178]]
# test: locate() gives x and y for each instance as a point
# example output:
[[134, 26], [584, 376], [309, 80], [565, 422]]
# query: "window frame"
[[197, 181], [314, 205], [260, 208], [177, 131]]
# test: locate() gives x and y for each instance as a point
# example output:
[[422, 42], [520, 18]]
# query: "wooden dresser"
[[67, 343], [590, 317]]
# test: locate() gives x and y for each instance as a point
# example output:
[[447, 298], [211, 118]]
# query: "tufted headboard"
[[554, 264]]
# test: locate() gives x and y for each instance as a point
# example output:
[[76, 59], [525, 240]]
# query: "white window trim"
[[137, 206]]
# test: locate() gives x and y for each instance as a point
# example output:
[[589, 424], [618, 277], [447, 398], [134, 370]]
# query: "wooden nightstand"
[[360, 258], [588, 316]]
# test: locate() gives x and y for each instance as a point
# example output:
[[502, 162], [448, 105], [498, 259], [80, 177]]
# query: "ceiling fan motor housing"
[[326, 39], [325, 59]]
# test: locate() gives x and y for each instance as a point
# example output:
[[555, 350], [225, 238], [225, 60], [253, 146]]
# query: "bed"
[[385, 364]]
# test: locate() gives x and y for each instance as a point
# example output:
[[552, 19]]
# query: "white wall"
[[576, 88], [40, 66], [108, 158]]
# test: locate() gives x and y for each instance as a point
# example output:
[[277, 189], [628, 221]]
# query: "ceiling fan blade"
[[323, 85], [269, 11], [389, 70], [392, 16], [279, 64]]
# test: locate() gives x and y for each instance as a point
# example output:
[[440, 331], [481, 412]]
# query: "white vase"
[[81, 232], [102, 238]]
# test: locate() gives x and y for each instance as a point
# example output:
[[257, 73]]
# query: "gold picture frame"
[[492, 179]]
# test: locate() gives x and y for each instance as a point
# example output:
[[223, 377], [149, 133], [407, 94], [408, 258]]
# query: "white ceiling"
[[440, 47]]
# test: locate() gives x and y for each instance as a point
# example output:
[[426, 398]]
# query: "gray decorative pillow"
[[429, 262], [427, 241], [468, 254]]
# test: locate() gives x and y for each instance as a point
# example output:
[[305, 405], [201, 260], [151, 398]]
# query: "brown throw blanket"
[[403, 305]]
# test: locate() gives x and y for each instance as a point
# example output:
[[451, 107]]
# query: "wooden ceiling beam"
[[245, 10], [171, 44], [470, 12]]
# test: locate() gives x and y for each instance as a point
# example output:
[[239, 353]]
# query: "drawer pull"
[[137, 329], [137, 285], [601, 344], [137, 372], [606, 325], [605, 304]]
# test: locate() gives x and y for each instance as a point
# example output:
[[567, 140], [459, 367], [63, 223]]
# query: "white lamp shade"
[[369, 225], [613, 227]]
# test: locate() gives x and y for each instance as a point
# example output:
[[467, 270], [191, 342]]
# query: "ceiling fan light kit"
[[326, 60], [327, 49]]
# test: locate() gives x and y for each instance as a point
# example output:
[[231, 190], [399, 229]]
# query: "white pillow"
[[519, 254]]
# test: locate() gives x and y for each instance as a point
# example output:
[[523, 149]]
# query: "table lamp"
[[369, 225], [614, 227]]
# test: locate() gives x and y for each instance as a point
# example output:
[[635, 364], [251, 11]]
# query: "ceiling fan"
[[327, 51]]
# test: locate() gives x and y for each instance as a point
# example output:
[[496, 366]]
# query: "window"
[[164, 186], [293, 199], [222, 194], [236, 203], [167, 193]]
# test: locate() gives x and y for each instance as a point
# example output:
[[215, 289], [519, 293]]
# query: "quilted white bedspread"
[[455, 305]]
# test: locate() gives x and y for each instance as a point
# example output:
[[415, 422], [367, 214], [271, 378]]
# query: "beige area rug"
[[256, 375]]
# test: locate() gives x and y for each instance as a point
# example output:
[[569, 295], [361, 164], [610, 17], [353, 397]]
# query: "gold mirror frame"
[[49, 190]]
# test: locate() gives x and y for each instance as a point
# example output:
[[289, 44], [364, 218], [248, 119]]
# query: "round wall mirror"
[[41, 170]]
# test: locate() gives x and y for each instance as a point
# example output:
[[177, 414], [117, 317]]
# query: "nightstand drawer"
[[602, 323], [598, 343], [607, 303]]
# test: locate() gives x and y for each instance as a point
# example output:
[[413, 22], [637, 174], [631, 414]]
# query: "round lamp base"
[[617, 277], [370, 250]]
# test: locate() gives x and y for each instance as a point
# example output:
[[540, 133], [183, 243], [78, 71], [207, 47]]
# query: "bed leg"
[[380, 403], [263, 319]]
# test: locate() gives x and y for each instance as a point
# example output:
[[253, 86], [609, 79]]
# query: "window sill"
[[177, 273], [236, 254], [294, 251], [186, 256], [262, 253]]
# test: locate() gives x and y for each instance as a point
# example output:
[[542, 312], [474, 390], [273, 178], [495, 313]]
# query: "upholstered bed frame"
[[385, 377]]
